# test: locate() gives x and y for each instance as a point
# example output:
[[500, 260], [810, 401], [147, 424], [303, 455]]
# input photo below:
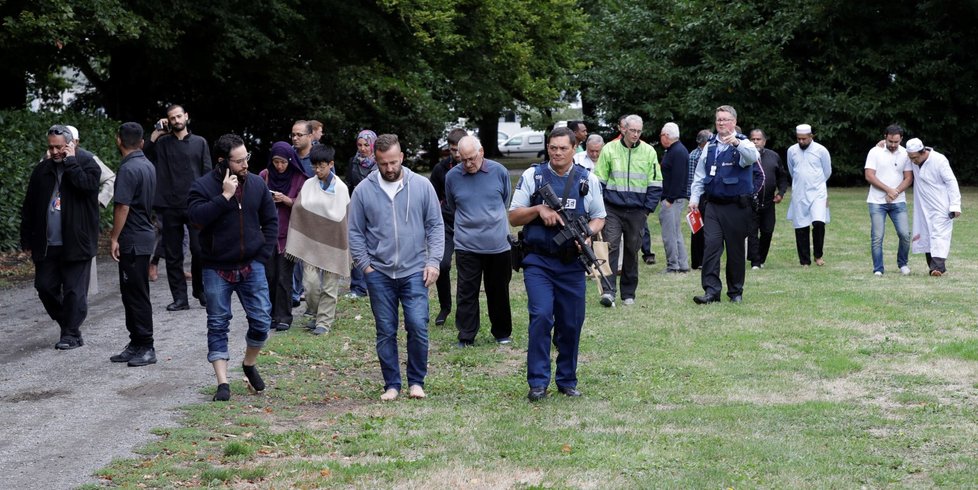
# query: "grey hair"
[[469, 140], [61, 130], [671, 130], [727, 108], [703, 136], [594, 138], [633, 119]]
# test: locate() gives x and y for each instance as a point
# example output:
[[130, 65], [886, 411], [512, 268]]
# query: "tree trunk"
[[15, 79], [488, 125]]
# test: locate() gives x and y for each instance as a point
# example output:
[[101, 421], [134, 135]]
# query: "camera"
[[161, 126]]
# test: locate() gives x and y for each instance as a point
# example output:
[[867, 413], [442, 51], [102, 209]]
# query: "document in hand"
[[695, 220]]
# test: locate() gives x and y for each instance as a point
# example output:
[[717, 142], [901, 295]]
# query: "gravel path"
[[65, 414]]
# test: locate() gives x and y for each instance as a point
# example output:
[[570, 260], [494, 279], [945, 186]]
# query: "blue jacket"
[[396, 237], [233, 233]]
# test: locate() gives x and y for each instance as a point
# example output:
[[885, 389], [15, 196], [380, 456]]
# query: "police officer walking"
[[724, 179], [554, 277]]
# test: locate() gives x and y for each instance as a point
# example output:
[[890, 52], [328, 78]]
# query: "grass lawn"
[[823, 377]]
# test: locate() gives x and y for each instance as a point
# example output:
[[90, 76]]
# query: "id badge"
[[713, 171]]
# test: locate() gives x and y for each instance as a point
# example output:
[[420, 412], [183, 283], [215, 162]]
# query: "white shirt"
[[583, 160], [390, 188], [889, 167]]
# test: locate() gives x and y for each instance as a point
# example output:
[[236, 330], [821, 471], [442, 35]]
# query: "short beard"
[[395, 179]]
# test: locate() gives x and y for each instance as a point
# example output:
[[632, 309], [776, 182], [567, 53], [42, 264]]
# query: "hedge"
[[24, 142]]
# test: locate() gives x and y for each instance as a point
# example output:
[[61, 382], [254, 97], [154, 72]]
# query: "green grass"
[[824, 377]]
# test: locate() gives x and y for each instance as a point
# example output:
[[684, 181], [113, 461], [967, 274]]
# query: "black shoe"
[[442, 316], [203, 302], [178, 306], [223, 393], [295, 303], [125, 355], [705, 299], [504, 340], [68, 343], [144, 356], [255, 383], [536, 394], [461, 344], [737, 299], [649, 259], [569, 391], [281, 327]]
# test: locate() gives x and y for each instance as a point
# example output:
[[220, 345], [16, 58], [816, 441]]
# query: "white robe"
[[935, 196], [810, 170]]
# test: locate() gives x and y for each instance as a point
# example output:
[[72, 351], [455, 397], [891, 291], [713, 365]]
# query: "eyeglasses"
[[633, 131], [240, 161], [299, 135], [59, 132]]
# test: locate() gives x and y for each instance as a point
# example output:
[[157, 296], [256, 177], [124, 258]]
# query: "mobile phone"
[[950, 215]]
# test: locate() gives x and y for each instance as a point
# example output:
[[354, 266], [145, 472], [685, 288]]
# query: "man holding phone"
[[59, 228], [180, 157]]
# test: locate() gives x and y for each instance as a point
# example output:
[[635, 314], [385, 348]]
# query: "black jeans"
[[134, 289], [444, 282], [495, 271], [725, 228], [62, 287], [278, 272], [759, 237], [174, 220], [627, 222]]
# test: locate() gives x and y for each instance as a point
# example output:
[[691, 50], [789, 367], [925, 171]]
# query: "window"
[[515, 141], [535, 140]]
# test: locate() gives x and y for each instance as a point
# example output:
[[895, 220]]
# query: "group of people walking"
[[295, 229]]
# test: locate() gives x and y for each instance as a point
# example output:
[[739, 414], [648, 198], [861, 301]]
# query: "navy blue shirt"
[[135, 186], [675, 172]]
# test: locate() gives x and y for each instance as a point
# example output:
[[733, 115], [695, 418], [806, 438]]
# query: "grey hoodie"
[[396, 237]]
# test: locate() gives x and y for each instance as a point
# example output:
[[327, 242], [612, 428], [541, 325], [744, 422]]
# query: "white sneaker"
[[628, 301], [607, 300], [878, 274], [905, 270], [756, 268]]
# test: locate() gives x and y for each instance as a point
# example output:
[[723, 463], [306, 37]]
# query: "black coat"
[[79, 207]]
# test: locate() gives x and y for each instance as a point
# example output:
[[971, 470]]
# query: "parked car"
[[523, 144]]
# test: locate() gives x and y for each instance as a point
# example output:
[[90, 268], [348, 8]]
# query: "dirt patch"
[[33, 396]]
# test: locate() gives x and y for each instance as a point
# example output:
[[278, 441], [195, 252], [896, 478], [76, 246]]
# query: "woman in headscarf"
[[284, 177], [360, 167]]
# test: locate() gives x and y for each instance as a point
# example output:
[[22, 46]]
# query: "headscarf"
[[280, 182], [370, 137]]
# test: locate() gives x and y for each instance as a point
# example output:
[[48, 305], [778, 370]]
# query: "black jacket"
[[79, 207], [233, 233]]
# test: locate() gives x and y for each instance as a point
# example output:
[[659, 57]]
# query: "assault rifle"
[[577, 230]]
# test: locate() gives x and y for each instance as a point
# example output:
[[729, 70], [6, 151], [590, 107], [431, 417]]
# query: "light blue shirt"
[[593, 202]]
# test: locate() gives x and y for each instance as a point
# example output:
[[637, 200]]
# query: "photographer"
[[554, 277]]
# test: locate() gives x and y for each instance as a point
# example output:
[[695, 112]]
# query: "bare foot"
[[819, 262], [416, 391], [389, 395]]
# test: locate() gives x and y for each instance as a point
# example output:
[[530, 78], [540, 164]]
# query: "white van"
[[523, 144]]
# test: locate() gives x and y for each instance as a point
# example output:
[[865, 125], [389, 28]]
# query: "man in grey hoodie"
[[397, 239]]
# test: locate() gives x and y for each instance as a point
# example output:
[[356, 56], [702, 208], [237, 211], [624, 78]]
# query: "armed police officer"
[[554, 277]]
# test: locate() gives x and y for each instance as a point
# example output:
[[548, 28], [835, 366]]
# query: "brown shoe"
[[936, 273]]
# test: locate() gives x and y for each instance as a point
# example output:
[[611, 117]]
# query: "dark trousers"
[[278, 272], [696, 242], [495, 271], [801, 241], [646, 242], [759, 237], [444, 282], [62, 287], [627, 223], [935, 263], [725, 227], [134, 289], [174, 221]]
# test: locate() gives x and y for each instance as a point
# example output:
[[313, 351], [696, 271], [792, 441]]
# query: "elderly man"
[[772, 189], [397, 238], [889, 173], [723, 178], [937, 201], [675, 170], [631, 184], [476, 194], [59, 228], [810, 166], [555, 280], [589, 157]]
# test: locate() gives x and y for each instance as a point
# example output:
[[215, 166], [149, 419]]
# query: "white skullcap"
[[803, 129], [915, 145], [74, 131]]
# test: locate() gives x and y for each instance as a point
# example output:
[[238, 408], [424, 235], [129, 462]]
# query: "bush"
[[23, 144]]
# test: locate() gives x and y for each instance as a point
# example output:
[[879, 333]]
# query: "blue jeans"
[[898, 215], [252, 293], [411, 293]]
